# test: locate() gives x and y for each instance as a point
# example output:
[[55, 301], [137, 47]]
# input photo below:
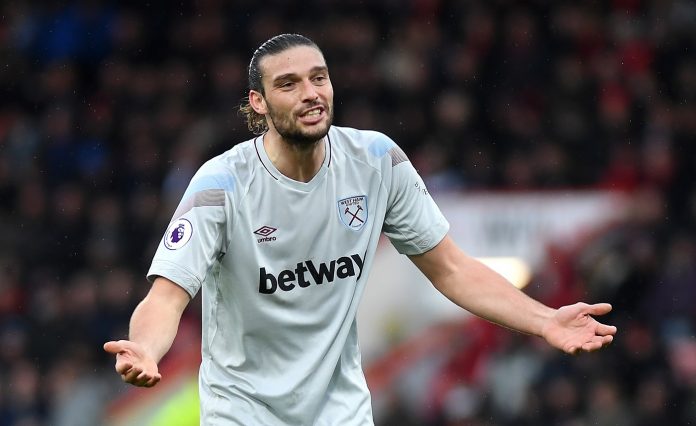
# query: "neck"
[[298, 162]]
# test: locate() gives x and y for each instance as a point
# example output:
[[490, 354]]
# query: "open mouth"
[[312, 115]]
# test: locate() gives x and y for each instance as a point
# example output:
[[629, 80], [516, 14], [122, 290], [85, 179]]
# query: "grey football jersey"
[[283, 265]]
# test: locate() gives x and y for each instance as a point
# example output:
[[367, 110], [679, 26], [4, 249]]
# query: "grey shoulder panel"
[[205, 198], [397, 155]]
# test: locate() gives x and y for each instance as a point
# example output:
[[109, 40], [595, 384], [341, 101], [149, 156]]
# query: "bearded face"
[[298, 95], [289, 125]]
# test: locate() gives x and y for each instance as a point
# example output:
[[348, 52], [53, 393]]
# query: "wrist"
[[544, 323]]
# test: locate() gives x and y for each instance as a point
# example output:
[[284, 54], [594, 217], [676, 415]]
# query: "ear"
[[257, 102]]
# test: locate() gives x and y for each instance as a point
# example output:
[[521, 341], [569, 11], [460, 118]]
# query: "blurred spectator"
[[607, 404], [109, 108]]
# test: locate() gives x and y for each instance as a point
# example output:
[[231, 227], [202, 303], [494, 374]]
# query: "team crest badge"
[[353, 211], [178, 234]]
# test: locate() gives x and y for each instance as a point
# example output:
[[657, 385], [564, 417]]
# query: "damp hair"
[[280, 43]]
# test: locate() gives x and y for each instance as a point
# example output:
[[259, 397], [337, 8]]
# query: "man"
[[280, 232]]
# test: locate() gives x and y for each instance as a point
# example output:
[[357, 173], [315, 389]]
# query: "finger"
[[138, 382], [142, 379], [132, 375], [599, 309], [152, 381], [595, 346], [114, 347], [145, 376], [572, 350], [119, 346], [591, 346], [147, 380], [605, 330], [123, 367], [597, 343]]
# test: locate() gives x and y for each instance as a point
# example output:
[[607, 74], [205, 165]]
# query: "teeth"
[[313, 113]]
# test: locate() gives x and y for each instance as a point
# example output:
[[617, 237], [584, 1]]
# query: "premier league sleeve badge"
[[178, 234]]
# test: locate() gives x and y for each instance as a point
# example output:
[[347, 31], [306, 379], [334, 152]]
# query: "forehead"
[[295, 60]]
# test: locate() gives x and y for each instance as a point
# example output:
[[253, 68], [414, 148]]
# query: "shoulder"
[[225, 171], [369, 145]]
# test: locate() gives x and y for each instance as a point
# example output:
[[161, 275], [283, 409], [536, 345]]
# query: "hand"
[[133, 363], [572, 328]]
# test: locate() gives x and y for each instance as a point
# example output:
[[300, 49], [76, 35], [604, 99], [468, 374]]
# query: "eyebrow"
[[313, 70]]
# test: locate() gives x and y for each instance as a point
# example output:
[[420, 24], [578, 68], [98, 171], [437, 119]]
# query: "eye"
[[286, 85], [320, 79]]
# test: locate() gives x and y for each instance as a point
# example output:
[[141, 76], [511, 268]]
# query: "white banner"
[[523, 224], [399, 301]]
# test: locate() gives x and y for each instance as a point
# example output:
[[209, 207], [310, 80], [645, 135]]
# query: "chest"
[[287, 239], [343, 206]]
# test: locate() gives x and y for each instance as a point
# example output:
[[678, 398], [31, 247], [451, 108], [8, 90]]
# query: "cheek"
[[279, 108], [287, 107], [328, 92], [329, 97]]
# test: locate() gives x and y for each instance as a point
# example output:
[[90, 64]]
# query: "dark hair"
[[256, 122]]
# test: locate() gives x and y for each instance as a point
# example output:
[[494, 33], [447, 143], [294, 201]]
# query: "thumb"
[[115, 347], [599, 309]]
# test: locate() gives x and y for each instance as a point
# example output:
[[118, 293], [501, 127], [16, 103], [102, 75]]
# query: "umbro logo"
[[264, 232]]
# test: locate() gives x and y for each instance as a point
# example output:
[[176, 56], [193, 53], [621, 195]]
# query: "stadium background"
[[107, 108]]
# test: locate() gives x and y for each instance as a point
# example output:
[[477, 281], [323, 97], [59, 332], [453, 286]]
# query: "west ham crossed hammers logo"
[[353, 211]]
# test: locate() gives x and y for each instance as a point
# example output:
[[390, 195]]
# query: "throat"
[[297, 162]]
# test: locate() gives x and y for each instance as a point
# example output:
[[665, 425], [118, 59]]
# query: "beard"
[[293, 134]]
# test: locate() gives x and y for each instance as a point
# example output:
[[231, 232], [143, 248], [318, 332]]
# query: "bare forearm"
[[154, 327], [480, 290], [155, 321], [483, 292]]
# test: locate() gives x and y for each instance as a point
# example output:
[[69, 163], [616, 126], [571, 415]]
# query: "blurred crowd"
[[108, 108]]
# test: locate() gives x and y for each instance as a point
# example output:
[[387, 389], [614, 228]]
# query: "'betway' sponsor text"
[[307, 273]]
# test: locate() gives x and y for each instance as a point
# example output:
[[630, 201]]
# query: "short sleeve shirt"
[[282, 265]]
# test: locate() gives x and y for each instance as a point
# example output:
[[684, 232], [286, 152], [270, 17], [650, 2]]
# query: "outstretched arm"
[[483, 292], [153, 327]]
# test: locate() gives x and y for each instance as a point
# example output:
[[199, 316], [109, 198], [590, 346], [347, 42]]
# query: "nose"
[[309, 91]]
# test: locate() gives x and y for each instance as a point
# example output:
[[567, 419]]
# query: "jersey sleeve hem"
[[175, 273], [419, 244]]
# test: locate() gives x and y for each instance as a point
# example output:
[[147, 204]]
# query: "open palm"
[[573, 329], [133, 363]]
